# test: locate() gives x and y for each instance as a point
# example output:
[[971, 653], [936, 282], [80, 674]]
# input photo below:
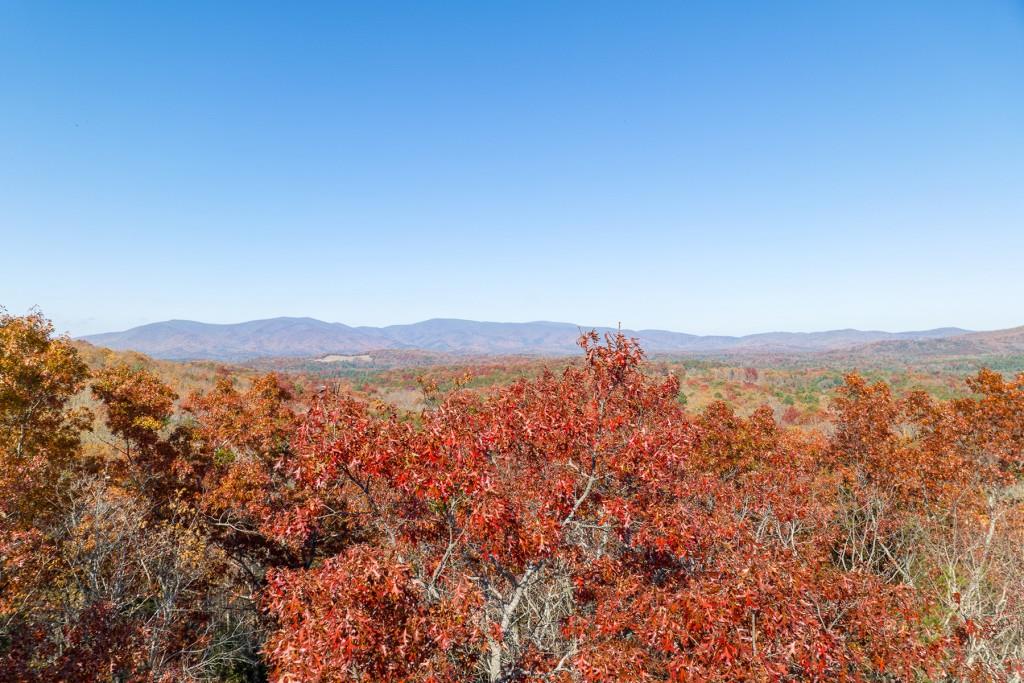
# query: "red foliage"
[[577, 527]]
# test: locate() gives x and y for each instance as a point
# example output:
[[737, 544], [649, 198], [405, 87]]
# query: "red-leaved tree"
[[576, 527]]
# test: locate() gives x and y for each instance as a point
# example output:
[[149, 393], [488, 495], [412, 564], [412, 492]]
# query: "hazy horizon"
[[85, 327], [582, 325]]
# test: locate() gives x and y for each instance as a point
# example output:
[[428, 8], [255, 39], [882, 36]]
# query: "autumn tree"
[[575, 527], [39, 439], [104, 574], [39, 429], [929, 498], [240, 441]]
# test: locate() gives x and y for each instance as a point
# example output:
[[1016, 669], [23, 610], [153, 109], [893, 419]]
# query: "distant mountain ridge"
[[308, 337], [995, 343]]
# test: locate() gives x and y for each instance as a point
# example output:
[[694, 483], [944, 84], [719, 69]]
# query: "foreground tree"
[[575, 528], [39, 440], [105, 575], [39, 430], [929, 496]]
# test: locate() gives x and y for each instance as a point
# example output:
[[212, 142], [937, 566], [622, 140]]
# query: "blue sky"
[[715, 167]]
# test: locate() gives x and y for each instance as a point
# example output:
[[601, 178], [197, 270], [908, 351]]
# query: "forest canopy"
[[579, 525]]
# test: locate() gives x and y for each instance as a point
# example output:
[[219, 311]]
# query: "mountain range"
[[1009, 342], [308, 337]]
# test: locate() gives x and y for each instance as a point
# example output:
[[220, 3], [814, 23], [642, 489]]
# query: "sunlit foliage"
[[583, 523]]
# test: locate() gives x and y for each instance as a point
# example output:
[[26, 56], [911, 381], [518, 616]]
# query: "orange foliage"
[[579, 526]]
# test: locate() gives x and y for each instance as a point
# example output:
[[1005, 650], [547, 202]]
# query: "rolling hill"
[[308, 337], [974, 344]]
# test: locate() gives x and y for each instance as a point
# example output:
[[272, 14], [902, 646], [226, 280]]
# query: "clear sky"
[[712, 167]]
